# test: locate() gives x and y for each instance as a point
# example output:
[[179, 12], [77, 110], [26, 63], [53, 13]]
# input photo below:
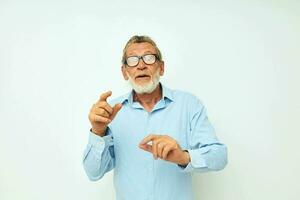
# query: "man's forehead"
[[140, 48]]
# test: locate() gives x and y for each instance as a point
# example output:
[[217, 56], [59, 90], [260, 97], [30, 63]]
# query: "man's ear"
[[162, 68], [124, 72]]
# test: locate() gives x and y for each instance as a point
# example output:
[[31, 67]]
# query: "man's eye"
[[148, 57], [132, 59]]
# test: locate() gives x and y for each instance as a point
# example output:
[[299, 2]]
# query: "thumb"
[[117, 107]]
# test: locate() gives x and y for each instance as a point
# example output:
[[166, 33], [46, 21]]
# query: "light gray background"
[[241, 58]]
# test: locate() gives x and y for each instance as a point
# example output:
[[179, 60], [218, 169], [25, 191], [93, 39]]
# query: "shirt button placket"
[[151, 164]]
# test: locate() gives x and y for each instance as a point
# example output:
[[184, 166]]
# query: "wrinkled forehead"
[[140, 49]]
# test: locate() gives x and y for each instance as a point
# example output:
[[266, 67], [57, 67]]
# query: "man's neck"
[[148, 101]]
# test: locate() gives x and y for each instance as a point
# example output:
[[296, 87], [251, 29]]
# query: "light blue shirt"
[[137, 175]]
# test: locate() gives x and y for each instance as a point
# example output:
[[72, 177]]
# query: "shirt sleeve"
[[98, 157], [205, 150]]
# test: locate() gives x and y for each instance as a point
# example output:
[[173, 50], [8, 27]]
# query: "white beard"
[[145, 88]]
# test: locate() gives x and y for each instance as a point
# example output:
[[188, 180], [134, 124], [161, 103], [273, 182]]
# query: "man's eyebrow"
[[134, 54], [149, 52]]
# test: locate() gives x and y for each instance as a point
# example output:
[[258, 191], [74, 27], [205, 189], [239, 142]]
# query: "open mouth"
[[143, 76]]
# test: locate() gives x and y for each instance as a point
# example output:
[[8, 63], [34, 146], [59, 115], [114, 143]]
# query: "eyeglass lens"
[[134, 60]]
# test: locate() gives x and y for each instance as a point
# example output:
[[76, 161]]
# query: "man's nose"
[[141, 64]]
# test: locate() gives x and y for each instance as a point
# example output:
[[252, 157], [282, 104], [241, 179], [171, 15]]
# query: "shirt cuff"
[[197, 160], [100, 142]]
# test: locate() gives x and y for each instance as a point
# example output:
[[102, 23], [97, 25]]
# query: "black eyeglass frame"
[[141, 57]]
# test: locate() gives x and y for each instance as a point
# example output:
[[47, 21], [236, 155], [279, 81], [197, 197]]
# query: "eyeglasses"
[[148, 59]]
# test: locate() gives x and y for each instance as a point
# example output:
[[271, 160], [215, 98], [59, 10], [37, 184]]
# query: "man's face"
[[144, 77]]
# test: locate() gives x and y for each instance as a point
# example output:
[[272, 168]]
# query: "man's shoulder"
[[183, 93], [187, 100], [186, 96]]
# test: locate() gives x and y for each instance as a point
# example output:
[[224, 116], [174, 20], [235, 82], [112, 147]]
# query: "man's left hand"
[[166, 148]]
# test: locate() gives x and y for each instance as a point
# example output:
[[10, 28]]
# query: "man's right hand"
[[101, 114]]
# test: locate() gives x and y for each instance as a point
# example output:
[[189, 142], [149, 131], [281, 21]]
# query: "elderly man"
[[153, 137]]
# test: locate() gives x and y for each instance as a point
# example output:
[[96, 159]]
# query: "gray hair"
[[141, 39]]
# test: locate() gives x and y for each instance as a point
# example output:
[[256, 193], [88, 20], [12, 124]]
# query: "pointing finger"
[[146, 147], [148, 139], [105, 95]]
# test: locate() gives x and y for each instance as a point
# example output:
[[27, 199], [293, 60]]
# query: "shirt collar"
[[167, 93]]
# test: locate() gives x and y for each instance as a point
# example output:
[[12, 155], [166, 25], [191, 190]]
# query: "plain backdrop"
[[241, 58]]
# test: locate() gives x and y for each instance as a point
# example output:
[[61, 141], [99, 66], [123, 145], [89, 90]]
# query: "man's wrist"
[[186, 158], [98, 132]]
